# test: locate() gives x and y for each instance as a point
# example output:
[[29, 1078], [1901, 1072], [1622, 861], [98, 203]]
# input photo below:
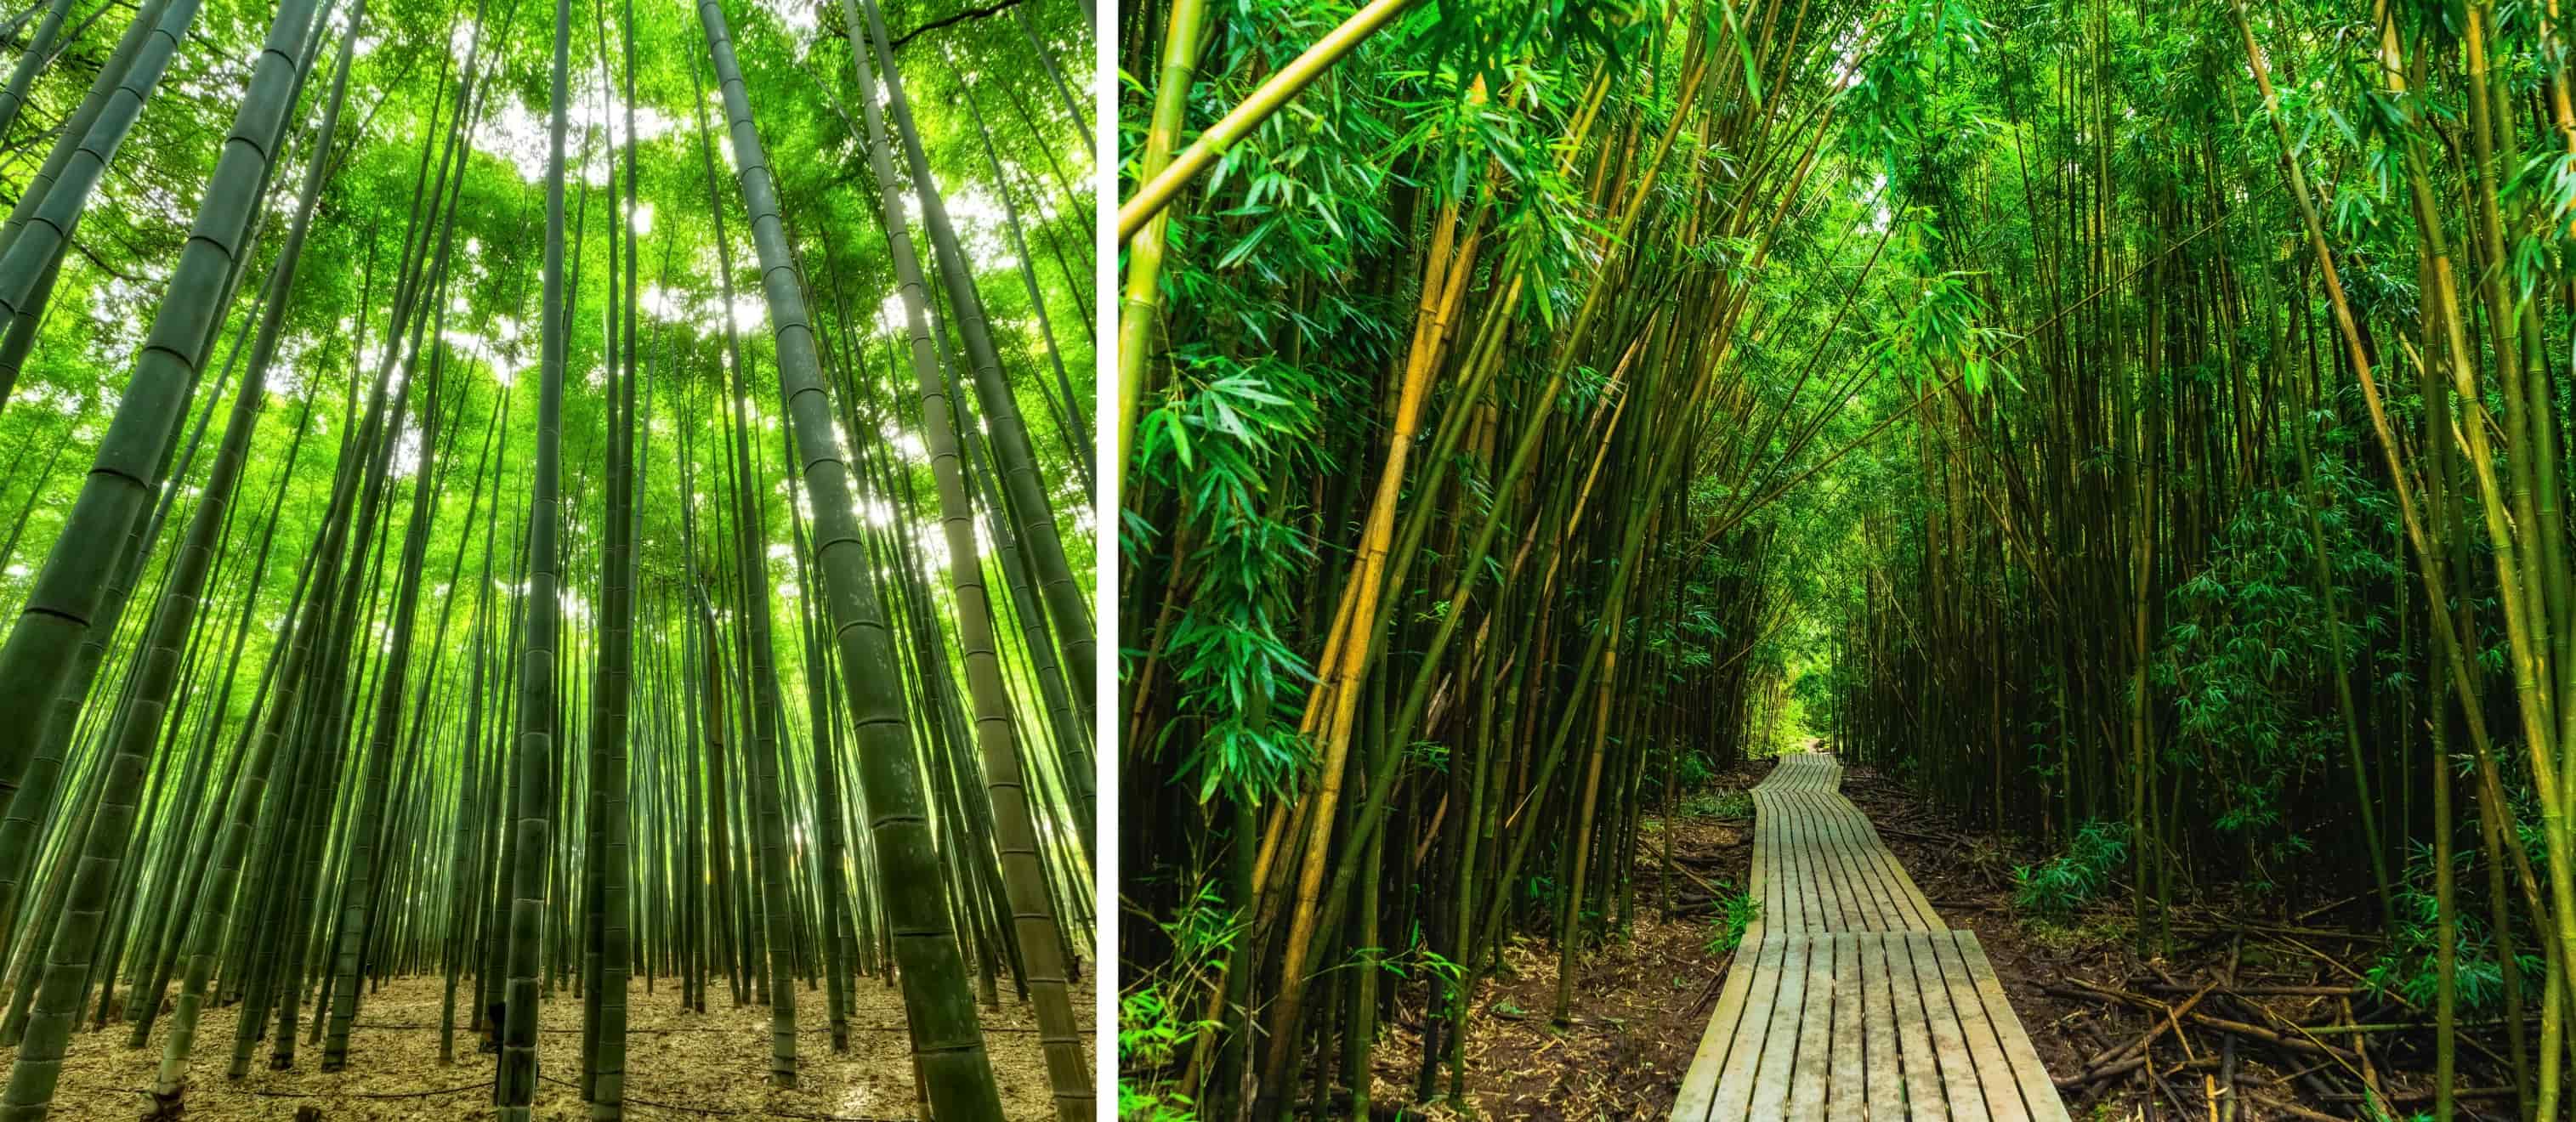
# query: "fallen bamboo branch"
[[2268, 991], [1946, 839], [2395, 1097], [2090, 1077], [1668, 863], [2294, 1110], [2101, 1064], [2086, 989]]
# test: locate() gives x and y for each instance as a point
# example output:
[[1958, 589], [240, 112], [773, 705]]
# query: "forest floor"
[[679, 1065], [1641, 1002], [2083, 990]]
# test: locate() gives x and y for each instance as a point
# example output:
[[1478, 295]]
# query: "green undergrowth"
[[1150, 1033], [2055, 888], [1787, 730], [1731, 804], [1154, 1026], [1736, 910], [2408, 968]]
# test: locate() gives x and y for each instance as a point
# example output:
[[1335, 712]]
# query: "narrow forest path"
[[1849, 998]]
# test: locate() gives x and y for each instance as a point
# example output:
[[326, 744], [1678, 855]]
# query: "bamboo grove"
[[1397, 693], [2140, 427], [2260, 567], [584, 503]]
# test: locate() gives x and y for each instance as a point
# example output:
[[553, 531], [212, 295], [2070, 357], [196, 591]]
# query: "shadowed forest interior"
[[552, 528], [2129, 437]]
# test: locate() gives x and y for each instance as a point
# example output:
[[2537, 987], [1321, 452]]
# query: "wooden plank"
[[1985, 1051], [1883, 1079], [1925, 1100], [2038, 1091], [1698, 1095], [1809, 1078], [1735, 1081], [1846, 1097], [1842, 911], [1779, 910], [1949, 1044], [1872, 904], [1799, 888], [1807, 901], [1786, 919], [1758, 883], [1780, 1047], [1834, 865], [1822, 909]]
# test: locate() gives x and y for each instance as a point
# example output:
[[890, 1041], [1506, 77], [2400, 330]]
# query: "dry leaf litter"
[[679, 1065]]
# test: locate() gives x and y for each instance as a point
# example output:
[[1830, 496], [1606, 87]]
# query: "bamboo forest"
[[1763, 559], [547, 559]]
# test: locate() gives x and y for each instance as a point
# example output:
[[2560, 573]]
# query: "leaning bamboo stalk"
[[2525, 622], [1331, 707], [1283, 86]]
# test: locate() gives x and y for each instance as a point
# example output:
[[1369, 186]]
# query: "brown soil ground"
[[2056, 973], [679, 1065], [1641, 1002]]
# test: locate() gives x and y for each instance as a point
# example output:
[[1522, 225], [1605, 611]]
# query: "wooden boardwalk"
[[1849, 999]]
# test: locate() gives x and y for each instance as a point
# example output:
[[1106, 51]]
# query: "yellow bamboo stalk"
[[1330, 709], [2523, 639], [1287, 83], [1141, 301]]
